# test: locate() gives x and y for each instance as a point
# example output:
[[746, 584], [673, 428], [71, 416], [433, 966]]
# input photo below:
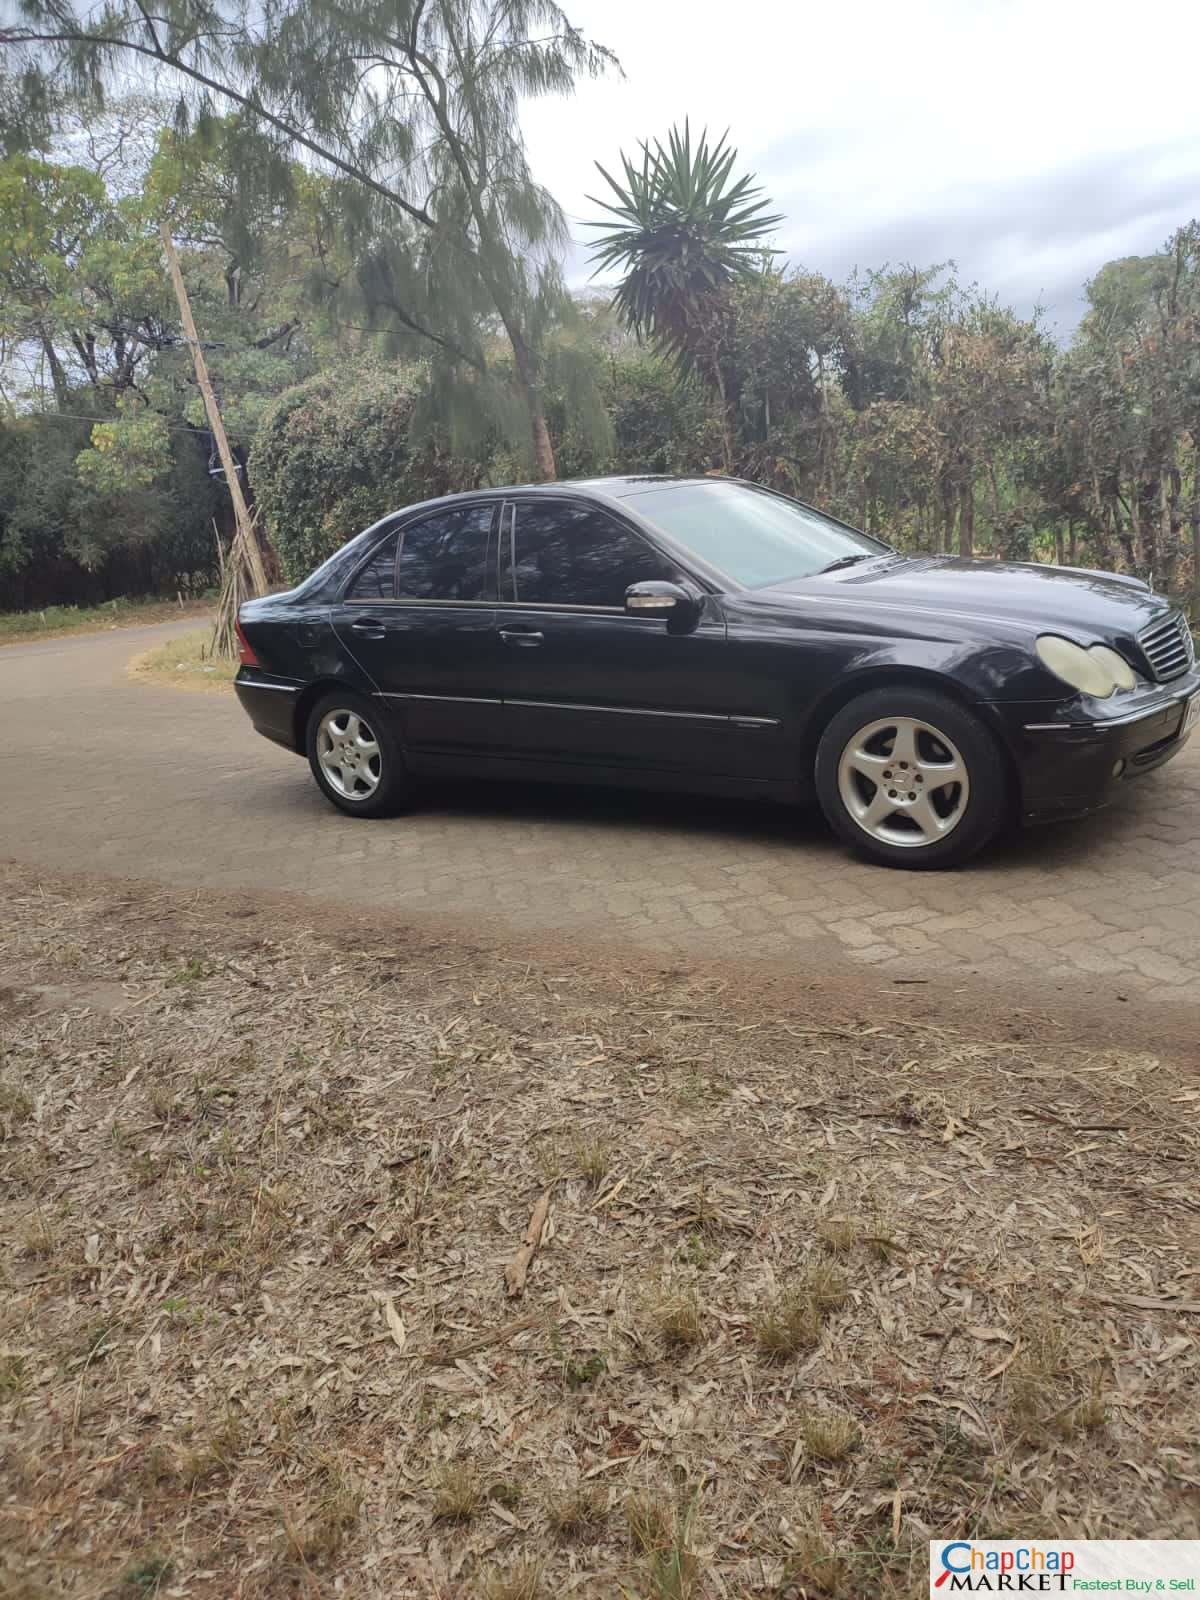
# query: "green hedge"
[[333, 455]]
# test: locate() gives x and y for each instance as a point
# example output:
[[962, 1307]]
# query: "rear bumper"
[[1070, 767], [270, 703]]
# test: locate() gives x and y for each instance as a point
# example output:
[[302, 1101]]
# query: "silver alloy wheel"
[[349, 755], [903, 781]]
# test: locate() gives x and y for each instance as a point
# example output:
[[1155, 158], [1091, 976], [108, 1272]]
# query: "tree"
[[987, 367], [79, 283], [85, 301], [787, 352], [688, 234], [1130, 403], [891, 457], [80, 523], [415, 105]]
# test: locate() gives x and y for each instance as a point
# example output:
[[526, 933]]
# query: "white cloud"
[[983, 129]]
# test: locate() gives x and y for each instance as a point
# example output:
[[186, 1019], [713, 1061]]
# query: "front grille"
[[1167, 646]]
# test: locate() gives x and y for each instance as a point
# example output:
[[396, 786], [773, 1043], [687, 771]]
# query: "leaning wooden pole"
[[246, 538]]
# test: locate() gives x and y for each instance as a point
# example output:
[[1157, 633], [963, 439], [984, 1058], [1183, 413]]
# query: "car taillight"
[[245, 649]]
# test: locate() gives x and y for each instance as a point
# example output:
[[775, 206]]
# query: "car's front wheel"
[[910, 778], [354, 756]]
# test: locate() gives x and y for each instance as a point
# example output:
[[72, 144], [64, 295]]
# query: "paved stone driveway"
[[102, 774]]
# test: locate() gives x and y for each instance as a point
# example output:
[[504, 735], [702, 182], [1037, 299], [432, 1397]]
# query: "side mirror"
[[670, 601]]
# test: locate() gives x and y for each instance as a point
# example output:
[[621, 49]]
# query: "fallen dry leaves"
[[259, 1185]]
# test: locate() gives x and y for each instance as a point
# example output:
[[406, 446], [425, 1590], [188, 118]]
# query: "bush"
[[661, 425], [334, 454]]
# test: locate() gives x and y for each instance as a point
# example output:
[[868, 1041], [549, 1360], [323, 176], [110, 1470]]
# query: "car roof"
[[631, 483], [615, 487]]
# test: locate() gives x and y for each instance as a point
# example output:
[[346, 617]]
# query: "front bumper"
[[1071, 762]]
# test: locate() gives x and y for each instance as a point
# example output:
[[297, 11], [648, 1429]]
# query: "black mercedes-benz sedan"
[[706, 634]]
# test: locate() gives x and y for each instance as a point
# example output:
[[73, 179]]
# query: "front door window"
[[576, 555]]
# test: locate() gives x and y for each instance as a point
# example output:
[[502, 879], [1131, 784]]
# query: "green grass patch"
[[17, 626]]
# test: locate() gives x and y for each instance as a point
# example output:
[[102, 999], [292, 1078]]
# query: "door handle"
[[368, 627], [523, 638]]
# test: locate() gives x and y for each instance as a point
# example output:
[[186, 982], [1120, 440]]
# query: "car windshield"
[[756, 538]]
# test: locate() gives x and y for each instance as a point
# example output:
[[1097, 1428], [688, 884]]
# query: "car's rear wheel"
[[910, 778], [354, 756]]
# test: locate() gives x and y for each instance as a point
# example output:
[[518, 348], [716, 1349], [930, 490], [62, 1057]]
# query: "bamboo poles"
[[243, 574]]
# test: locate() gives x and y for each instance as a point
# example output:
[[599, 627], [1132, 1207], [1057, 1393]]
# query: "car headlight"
[[1123, 674], [1097, 671]]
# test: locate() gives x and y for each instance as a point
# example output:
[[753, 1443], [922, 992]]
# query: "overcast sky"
[[1028, 140]]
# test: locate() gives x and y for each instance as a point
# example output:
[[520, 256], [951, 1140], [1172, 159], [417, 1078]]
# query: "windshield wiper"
[[843, 561]]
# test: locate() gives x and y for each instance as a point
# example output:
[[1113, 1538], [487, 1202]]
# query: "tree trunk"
[[1127, 538], [1145, 507], [947, 530], [1058, 544], [544, 465], [966, 518], [58, 377], [1072, 543], [543, 450], [1171, 543], [726, 429], [996, 516]]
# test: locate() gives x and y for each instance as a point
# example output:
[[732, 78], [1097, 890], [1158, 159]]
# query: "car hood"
[[1068, 600]]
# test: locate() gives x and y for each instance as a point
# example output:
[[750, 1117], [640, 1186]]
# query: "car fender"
[[971, 674]]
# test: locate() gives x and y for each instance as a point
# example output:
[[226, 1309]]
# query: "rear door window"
[[445, 556]]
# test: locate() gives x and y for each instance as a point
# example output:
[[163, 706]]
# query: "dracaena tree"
[[688, 231], [412, 103]]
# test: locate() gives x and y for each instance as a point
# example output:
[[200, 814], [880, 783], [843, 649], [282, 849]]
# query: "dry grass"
[[593, 1158], [457, 1494], [573, 1512], [793, 1320], [259, 1183], [662, 1532], [185, 663], [843, 1236], [1055, 1388], [677, 1317], [15, 1106], [520, 1582], [828, 1437]]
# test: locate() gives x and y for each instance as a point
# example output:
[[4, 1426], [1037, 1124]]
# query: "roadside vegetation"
[[185, 663], [380, 292], [52, 621], [786, 1294]]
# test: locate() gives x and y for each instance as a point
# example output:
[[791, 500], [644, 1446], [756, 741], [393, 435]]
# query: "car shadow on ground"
[[687, 817], [754, 822]]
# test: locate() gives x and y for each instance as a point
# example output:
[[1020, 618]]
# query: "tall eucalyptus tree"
[[413, 104]]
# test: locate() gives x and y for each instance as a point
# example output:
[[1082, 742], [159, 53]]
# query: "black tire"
[[972, 812], [380, 781]]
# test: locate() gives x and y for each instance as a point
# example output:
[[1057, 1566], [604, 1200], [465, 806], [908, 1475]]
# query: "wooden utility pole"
[[245, 538]]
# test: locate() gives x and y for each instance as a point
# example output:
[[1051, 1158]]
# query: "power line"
[[80, 416]]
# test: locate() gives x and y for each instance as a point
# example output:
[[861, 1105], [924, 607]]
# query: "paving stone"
[[198, 799]]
